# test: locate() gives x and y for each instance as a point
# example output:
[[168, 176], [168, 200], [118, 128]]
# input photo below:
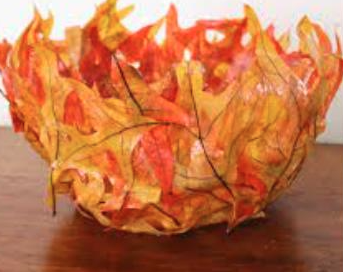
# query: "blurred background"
[[283, 14]]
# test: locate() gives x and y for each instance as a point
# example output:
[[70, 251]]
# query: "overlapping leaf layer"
[[209, 126]]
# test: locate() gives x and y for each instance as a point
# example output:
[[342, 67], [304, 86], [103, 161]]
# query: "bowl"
[[209, 126]]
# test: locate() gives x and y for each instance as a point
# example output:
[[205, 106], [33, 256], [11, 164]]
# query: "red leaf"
[[243, 211], [170, 90], [164, 110], [5, 48], [135, 44], [174, 49], [109, 166], [8, 84], [37, 87], [152, 62], [247, 176], [95, 64], [73, 111], [27, 69], [156, 146], [18, 124]]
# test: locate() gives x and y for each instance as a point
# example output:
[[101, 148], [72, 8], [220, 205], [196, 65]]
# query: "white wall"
[[15, 14]]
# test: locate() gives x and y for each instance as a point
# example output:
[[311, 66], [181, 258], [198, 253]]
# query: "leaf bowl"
[[209, 126]]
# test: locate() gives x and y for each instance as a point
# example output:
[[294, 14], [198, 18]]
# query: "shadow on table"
[[262, 245]]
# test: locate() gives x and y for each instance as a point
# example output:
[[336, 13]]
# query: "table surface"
[[303, 231]]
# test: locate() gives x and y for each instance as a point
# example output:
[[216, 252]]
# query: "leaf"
[[134, 46], [314, 42], [156, 147], [107, 20], [5, 48], [74, 112], [191, 78], [74, 44], [138, 94]]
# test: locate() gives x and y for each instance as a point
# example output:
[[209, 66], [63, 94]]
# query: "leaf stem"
[[57, 143], [200, 137], [53, 194], [127, 86]]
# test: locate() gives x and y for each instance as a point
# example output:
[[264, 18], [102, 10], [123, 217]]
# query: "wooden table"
[[303, 230]]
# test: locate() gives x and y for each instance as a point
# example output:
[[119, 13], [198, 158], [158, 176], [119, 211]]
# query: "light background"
[[16, 14]]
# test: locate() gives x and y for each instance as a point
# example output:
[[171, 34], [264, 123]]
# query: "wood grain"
[[303, 230]]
